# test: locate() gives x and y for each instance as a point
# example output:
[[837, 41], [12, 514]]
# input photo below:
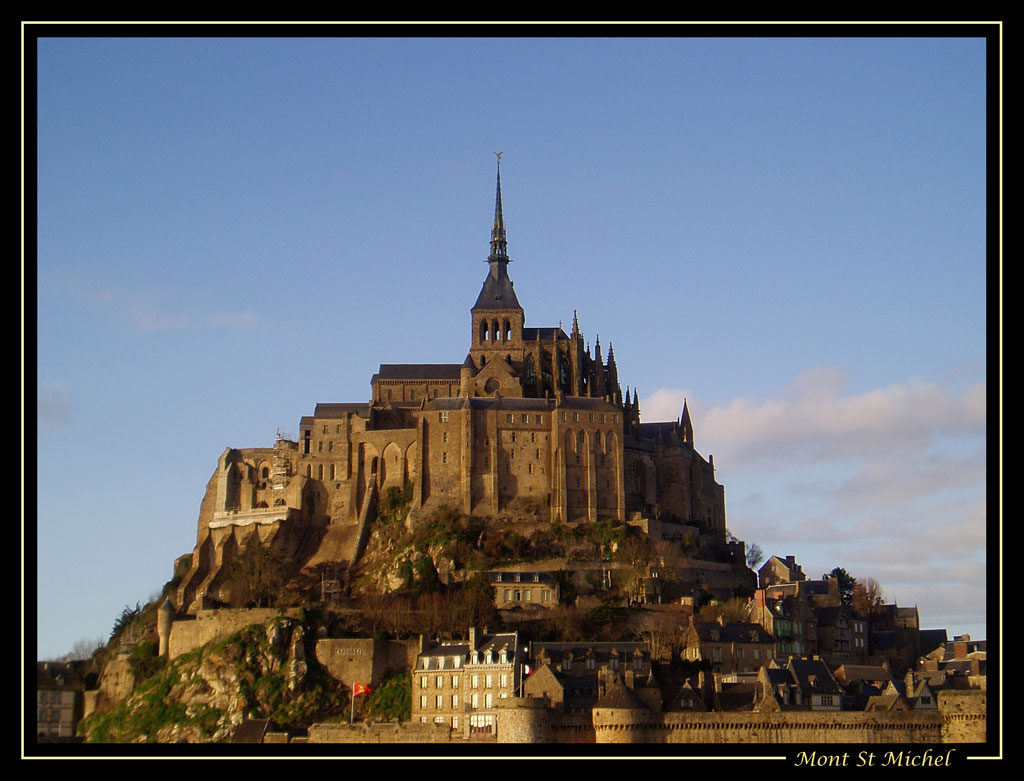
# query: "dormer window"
[[426, 662], [458, 662], [476, 657], [440, 663], [490, 657], [504, 657]]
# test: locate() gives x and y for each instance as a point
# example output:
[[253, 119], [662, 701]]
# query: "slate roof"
[[813, 676], [602, 650], [618, 695], [340, 410], [546, 334], [418, 371], [862, 672], [731, 632], [738, 696], [250, 731], [497, 292]]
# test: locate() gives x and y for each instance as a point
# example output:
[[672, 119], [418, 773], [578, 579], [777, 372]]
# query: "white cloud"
[[888, 483], [813, 420]]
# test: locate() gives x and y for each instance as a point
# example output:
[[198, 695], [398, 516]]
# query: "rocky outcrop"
[[261, 671]]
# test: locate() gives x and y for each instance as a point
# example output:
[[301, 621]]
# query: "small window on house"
[[540, 419], [444, 458], [442, 417]]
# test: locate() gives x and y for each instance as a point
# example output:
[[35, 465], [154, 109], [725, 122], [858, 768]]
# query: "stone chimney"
[[472, 639]]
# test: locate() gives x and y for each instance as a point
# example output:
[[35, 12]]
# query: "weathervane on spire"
[[498, 155]]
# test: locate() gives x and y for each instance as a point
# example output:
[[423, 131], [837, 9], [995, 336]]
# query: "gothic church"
[[530, 426]]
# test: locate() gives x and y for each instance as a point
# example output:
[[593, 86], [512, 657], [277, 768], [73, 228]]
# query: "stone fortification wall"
[[210, 625], [791, 727], [960, 719], [379, 733], [364, 660], [964, 716]]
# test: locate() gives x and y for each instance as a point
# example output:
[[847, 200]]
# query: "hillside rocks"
[[262, 671]]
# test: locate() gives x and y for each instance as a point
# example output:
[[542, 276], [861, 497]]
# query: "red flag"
[[360, 688]]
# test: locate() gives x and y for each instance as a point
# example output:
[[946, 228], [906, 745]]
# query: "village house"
[[461, 683], [728, 646]]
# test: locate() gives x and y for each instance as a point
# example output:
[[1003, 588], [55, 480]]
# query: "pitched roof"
[[731, 632], [497, 291], [602, 651], [546, 334], [862, 672], [250, 731], [813, 676], [418, 371], [618, 695], [340, 410]]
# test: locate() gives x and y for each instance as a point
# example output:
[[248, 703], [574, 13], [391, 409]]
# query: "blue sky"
[[789, 233]]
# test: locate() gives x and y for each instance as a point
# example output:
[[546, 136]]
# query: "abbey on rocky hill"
[[531, 425]]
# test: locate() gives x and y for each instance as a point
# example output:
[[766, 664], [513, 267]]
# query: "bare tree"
[[83, 649], [663, 635], [634, 554], [867, 597]]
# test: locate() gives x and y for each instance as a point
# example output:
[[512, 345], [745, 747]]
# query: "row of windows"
[[515, 595], [440, 702], [592, 417], [431, 393], [320, 472], [524, 418], [439, 682], [474, 681]]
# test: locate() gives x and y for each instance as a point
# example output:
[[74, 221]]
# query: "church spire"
[[497, 291], [499, 245]]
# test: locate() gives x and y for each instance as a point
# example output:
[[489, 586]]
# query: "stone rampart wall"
[[791, 727], [379, 733], [210, 625]]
